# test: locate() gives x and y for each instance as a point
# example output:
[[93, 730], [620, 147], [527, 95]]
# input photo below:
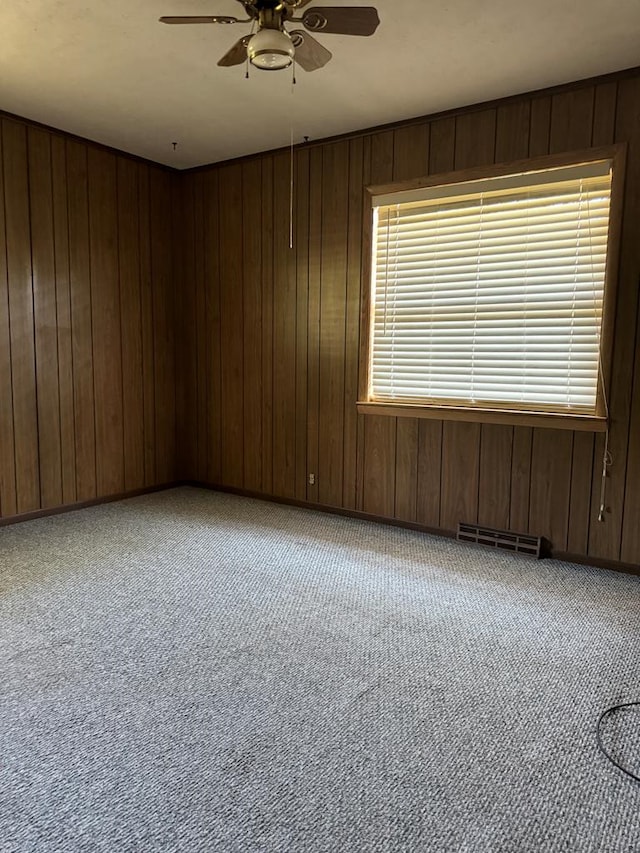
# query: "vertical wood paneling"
[[8, 501], [475, 139], [406, 463], [604, 114], [185, 243], [540, 126], [380, 431], [580, 493], [146, 299], [630, 548], [512, 131], [352, 323], [267, 324], [365, 247], [187, 332], [201, 334], [459, 476], [105, 312], [284, 335], [45, 323], [77, 382], [494, 488], [81, 322], [21, 325], [520, 479], [313, 318], [130, 324], [549, 499], [252, 324], [333, 296], [442, 134], [571, 120], [163, 317], [212, 281], [231, 326], [301, 246], [411, 152], [63, 319], [606, 538], [429, 482]]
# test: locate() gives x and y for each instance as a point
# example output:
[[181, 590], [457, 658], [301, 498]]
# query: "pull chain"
[[291, 181]]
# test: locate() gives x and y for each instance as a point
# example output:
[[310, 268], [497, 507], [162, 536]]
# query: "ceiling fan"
[[272, 47]]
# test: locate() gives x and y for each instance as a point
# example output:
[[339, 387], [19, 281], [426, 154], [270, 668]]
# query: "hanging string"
[[292, 173], [246, 42], [607, 460]]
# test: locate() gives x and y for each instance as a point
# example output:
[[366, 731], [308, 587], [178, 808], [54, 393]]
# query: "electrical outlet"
[[312, 479]]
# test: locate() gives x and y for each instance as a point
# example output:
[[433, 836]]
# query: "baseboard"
[[612, 565], [58, 510], [597, 562], [328, 508]]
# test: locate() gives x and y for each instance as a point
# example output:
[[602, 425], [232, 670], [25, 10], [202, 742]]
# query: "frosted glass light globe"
[[271, 50]]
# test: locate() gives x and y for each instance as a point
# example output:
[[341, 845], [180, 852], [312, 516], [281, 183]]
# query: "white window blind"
[[490, 293]]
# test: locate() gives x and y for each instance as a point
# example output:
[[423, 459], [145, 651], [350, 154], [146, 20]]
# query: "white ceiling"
[[110, 72]]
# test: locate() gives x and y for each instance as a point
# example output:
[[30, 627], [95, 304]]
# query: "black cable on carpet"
[[601, 746]]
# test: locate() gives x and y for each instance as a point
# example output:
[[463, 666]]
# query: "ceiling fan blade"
[[201, 19], [348, 20], [310, 54], [238, 53]]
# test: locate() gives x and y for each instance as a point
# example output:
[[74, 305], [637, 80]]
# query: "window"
[[488, 294]]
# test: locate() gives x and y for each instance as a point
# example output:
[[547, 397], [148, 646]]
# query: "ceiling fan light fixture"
[[271, 50]]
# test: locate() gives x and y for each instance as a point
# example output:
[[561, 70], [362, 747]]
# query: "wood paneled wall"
[[268, 364], [87, 373]]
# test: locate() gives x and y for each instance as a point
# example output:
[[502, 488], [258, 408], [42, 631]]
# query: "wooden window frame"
[[502, 415]]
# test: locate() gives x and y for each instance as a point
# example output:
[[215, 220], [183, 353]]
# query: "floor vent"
[[506, 540]]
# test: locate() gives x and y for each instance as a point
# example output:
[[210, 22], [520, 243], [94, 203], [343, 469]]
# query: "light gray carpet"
[[190, 671]]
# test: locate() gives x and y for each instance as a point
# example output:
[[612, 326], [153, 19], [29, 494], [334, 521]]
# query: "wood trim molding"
[[477, 415], [612, 565], [509, 167], [60, 510]]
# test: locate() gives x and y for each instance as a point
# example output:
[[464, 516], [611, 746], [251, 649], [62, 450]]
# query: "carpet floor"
[[190, 671]]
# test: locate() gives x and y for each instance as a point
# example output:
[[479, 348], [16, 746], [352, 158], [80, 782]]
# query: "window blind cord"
[[394, 313], [607, 458], [474, 339], [606, 464], [601, 746], [386, 275]]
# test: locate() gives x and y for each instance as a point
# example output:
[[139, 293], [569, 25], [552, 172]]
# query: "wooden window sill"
[[586, 423]]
